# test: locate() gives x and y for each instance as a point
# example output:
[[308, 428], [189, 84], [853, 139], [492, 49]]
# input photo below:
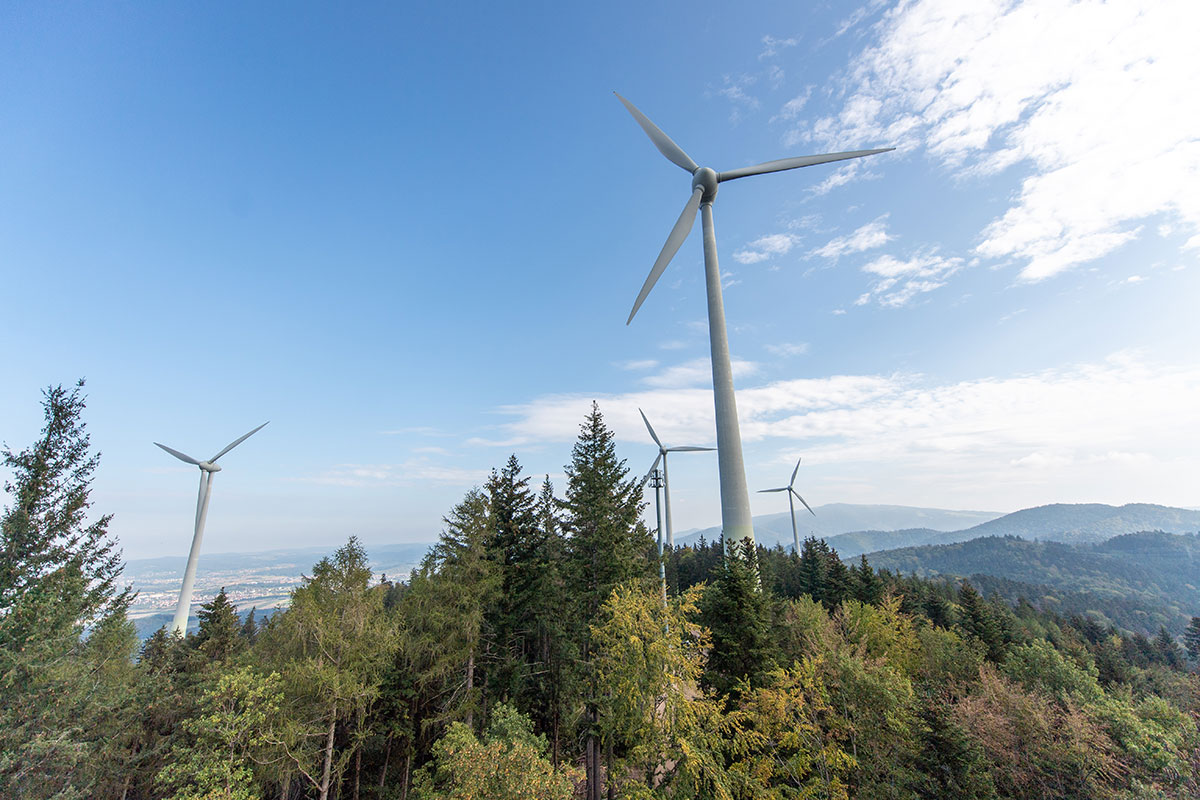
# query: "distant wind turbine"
[[735, 498], [792, 506], [662, 456], [207, 468]]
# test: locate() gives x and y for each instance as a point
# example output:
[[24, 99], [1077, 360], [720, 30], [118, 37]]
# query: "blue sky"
[[410, 237]]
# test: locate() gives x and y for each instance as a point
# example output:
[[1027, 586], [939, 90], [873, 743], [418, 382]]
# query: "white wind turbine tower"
[[662, 456], [735, 498], [207, 468], [791, 505]]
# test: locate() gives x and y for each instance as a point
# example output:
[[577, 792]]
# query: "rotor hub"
[[706, 179], [208, 466]]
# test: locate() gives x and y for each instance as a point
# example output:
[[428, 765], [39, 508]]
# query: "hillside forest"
[[536, 654]]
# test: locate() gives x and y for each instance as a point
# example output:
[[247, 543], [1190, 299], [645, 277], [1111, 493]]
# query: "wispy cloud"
[[734, 89], [763, 248], [694, 373], [788, 349], [638, 365], [1087, 96], [902, 280], [873, 234]]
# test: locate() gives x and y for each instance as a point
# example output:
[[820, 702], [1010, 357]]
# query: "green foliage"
[[220, 629], [58, 572], [331, 648], [648, 659], [736, 610], [1191, 638], [509, 763], [233, 727], [63, 694], [787, 740], [540, 621]]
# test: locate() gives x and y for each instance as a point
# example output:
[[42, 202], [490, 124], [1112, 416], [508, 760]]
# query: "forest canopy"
[[534, 654]]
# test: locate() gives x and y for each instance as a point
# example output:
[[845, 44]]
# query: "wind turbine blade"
[[179, 455], [689, 449], [683, 226], [668, 148], [238, 441], [653, 435], [797, 469], [783, 489], [801, 499], [653, 467], [793, 163]]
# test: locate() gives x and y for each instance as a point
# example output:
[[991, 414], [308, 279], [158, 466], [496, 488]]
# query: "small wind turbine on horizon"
[[790, 489], [735, 497], [207, 468], [662, 456]]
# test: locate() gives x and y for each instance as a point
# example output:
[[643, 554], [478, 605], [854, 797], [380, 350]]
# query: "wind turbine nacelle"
[[208, 466], [705, 178]]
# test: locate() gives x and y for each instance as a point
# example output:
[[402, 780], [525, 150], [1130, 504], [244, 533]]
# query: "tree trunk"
[[608, 772], [470, 690], [328, 760], [357, 769], [407, 764], [387, 755]]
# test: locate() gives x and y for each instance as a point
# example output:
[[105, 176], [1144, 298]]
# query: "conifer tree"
[[978, 622], [219, 629], [249, 629], [813, 574], [58, 572], [868, 588], [60, 702], [1191, 638], [515, 543], [608, 546], [737, 612], [1166, 648]]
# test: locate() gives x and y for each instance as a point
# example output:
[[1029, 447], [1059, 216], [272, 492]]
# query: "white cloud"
[[772, 46], [901, 281], [1095, 99], [1120, 426], [873, 234], [637, 365], [763, 248], [695, 372], [734, 89], [788, 349]]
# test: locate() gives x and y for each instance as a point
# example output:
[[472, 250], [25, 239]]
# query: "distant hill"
[[1087, 522], [834, 519], [1140, 580]]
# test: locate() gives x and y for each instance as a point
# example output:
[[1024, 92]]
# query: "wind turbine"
[[662, 456], [792, 506], [207, 468], [735, 498]]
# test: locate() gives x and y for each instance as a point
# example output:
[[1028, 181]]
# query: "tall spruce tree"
[[737, 612], [219, 629], [513, 543], [61, 691], [1191, 638], [608, 546], [58, 572]]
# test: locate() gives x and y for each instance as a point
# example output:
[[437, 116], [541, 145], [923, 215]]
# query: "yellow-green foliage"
[[787, 740], [509, 763]]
